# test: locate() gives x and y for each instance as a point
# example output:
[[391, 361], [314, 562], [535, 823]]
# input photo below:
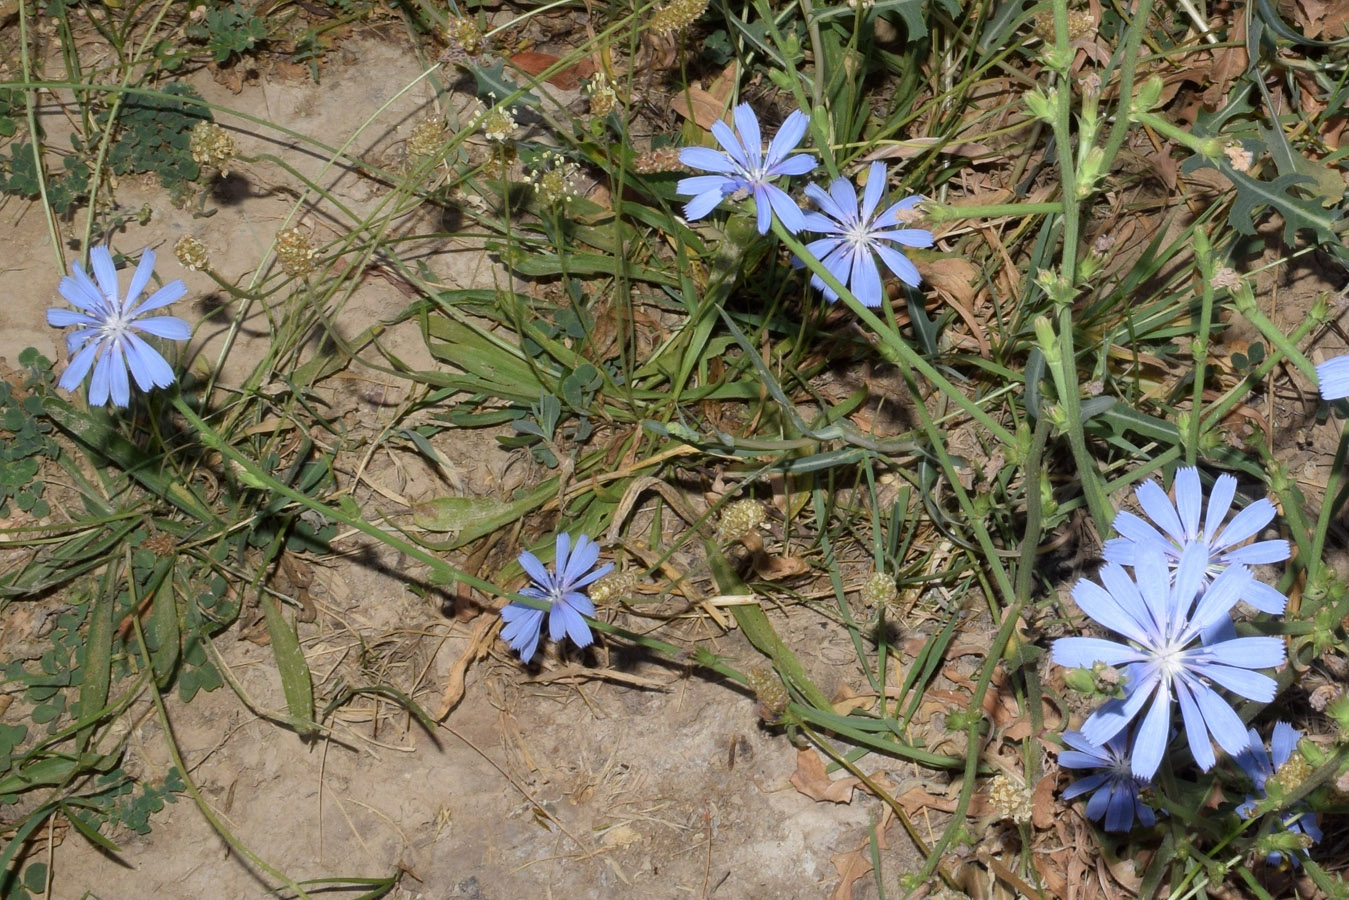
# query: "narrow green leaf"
[[291, 665]]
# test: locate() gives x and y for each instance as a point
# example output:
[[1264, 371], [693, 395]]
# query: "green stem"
[[892, 341], [1204, 256], [1070, 394]]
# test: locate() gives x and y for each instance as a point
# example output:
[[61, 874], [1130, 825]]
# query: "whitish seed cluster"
[[770, 692], [739, 519], [427, 137], [294, 252], [498, 123], [880, 591], [191, 253], [552, 179], [465, 35], [665, 159], [602, 96], [616, 587], [1011, 799], [676, 14], [212, 146]]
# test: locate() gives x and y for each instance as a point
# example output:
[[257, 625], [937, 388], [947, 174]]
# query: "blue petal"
[[708, 160], [1084, 785], [1223, 722], [1246, 653], [169, 327], [1119, 814], [1078, 742], [874, 191], [898, 263], [80, 291], [844, 198], [1158, 506], [563, 620], [1137, 532], [701, 205], [788, 212], [800, 164], [866, 280], [58, 317], [173, 291], [1284, 742], [1219, 502], [733, 146], [1265, 598], [1084, 652], [747, 123], [523, 625], [1221, 596], [533, 567], [1150, 741], [701, 185], [1246, 524], [1258, 554], [78, 368], [1333, 378], [1110, 609], [1196, 727], [582, 559], [101, 261], [147, 366], [1189, 500], [561, 551], [909, 237], [788, 136], [140, 278], [1241, 681]]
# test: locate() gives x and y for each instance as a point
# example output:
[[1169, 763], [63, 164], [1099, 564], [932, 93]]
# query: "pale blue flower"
[[1333, 378], [1181, 523], [1258, 765], [1114, 791], [857, 235], [106, 340], [745, 168], [567, 604], [1163, 618]]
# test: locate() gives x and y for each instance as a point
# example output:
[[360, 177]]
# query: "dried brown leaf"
[[811, 779]]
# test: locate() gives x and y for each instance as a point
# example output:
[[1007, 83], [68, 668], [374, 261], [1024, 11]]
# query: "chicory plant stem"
[[1204, 256], [1128, 63], [892, 341], [1070, 394]]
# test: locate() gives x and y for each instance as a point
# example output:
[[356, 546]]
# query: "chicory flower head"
[[857, 235], [574, 568], [1333, 378], [1256, 763], [1162, 619], [106, 340], [745, 167], [1181, 523], [1114, 791]]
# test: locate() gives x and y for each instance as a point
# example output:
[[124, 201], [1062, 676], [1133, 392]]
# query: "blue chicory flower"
[[744, 167], [1163, 618], [1114, 791], [856, 236], [1181, 523], [567, 604], [1333, 378], [1256, 762], [107, 341]]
